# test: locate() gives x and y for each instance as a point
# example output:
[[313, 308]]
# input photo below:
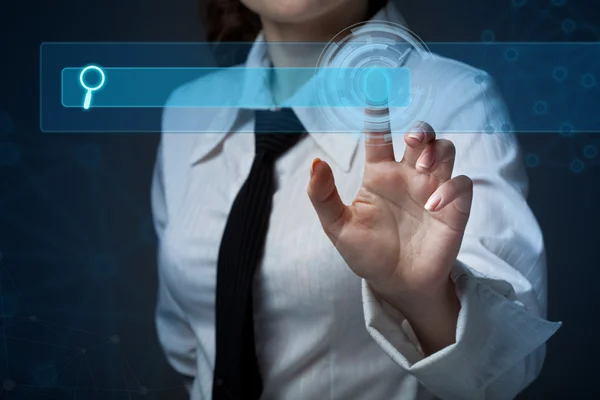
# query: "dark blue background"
[[78, 268]]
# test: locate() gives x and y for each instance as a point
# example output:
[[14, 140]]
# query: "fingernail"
[[426, 160], [417, 133], [433, 202], [313, 165]]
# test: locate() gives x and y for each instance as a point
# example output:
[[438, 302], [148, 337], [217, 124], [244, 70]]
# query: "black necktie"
[[236, 374]]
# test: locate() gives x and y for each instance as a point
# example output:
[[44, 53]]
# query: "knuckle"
[[446, 148], [430, 132], [425, 126], [469, 183], [465, 181]]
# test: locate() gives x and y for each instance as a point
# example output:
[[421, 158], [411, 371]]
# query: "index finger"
[[378, 135]]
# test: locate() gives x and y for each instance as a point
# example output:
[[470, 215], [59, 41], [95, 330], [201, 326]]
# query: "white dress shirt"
[[321, 333]]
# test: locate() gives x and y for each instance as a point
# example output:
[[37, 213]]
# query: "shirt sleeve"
[[500, 274], [174, 332]]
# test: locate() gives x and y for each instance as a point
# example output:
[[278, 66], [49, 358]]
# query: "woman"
[[392, 297]]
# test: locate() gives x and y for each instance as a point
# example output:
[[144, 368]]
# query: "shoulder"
[[467, 108], [447, 74], [462, 98]]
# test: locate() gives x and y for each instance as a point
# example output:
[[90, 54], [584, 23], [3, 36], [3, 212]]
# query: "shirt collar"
[[340, 147]]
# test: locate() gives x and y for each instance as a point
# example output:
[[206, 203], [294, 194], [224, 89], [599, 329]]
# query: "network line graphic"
[[559, 21]]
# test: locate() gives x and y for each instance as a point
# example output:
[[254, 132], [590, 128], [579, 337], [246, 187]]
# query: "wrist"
[[419, 304], [432, 316]]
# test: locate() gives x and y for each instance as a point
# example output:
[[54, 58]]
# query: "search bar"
[[93, 86]]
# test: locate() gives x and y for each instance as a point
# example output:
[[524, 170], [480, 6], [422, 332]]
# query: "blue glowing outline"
[[88, 95]]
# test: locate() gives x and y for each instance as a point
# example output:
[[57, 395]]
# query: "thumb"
[[323, 194]]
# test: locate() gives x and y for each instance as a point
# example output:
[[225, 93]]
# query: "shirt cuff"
[[494, 332]]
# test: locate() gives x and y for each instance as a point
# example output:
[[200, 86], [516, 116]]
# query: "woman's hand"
[[403, 231]]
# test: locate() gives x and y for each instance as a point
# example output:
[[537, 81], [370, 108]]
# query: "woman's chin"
[[292, 11]]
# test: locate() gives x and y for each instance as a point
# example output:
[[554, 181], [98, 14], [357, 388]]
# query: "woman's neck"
[[309, 39], [313, 34]]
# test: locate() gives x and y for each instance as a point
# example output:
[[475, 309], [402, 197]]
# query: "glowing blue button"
[[376, 86]]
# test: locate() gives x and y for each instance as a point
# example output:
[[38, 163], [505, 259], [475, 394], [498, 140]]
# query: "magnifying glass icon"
[[88, 95]]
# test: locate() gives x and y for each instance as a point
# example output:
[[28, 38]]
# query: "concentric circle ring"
[[368, 44]]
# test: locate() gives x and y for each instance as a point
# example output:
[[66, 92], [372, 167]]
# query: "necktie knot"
[[276, 132]]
